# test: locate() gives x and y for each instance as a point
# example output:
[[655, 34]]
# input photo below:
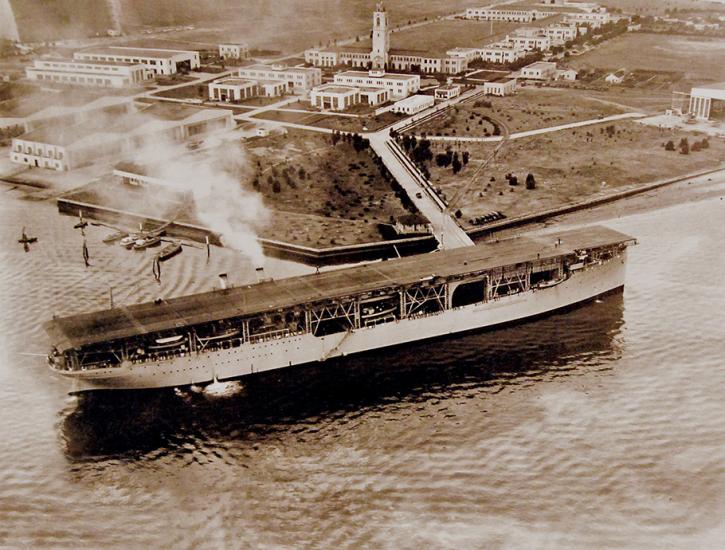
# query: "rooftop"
[[365, 74], [235, 82], [278, 69], [128, 321], [154, 53], [86, 62]]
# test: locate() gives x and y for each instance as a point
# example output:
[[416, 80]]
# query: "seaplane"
[[26, 241]]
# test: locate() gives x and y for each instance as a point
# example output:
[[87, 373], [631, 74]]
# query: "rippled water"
[[598, 427]]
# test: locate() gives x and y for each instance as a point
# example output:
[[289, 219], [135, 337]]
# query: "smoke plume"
[[215, 178]]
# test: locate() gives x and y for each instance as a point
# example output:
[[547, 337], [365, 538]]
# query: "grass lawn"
[[193, 91], [327, 195], [657, 52], [530, 108], [570, 166]]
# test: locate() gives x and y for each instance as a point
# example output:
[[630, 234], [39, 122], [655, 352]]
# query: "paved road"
[[445, 229]]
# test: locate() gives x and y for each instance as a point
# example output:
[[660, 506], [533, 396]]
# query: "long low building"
[[102, 74], [413, 104], [300, 79], [158, 61], [398, 85], [702, 97], [502, 87], [510, 15], [540, 70], [501, 52], [61, 115], [61, 147]]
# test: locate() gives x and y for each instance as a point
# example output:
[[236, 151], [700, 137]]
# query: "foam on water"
[[598, 427]]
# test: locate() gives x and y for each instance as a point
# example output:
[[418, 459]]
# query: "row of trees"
[[684, 146], [358, 142]]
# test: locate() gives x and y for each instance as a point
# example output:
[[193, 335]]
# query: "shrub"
[[670, 146], [530, 181]]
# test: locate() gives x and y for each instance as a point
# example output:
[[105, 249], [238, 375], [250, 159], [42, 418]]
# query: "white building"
[[300, 79], [500, 87], [101, 74], [615, 78], [469, 54], [158, 61], [60, 115], [337, 97], [594, 19], [529, 39], [413, 104], [567, 74], [69, 147], [449, 91], [233, 89], [540, 70], [513, 15], [701, 98], [234, 51], [321, 58], [398, 85], [560, 34], [500, 53]]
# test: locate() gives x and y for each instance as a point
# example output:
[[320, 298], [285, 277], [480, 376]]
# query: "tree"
[[276, 187], [466, 156], [684, 146], [530, 181], [456, 165], [670, 146], [704, 144]]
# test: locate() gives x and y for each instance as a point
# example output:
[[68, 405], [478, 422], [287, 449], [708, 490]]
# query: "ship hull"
[[226, 364]]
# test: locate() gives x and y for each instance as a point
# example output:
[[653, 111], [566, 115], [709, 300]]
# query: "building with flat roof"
[[502, 87], [300, 80], [158, 61], [501, 52], [511, 15], [70, 115], [594, 19], [233, 89], [413, 104], [234, 51], [529, 39], [449, 91], [339, 97], [398, 85], [66, 147], [540, 70], [100, 74], [560, 34], [702, 97]]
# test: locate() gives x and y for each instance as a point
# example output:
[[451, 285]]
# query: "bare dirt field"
[[570, 166], [439, 37], [654, 52], [323, 194], [531, 108], [289, 26]]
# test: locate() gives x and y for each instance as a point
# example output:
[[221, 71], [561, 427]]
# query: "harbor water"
[[599, 427]]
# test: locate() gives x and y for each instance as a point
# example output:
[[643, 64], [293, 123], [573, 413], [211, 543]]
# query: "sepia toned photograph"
[[391, 274]]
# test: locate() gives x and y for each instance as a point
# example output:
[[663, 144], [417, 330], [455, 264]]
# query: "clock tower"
[[381, 38]]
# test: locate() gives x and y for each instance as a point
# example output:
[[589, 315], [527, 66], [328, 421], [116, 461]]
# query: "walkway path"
[[538, 131]]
